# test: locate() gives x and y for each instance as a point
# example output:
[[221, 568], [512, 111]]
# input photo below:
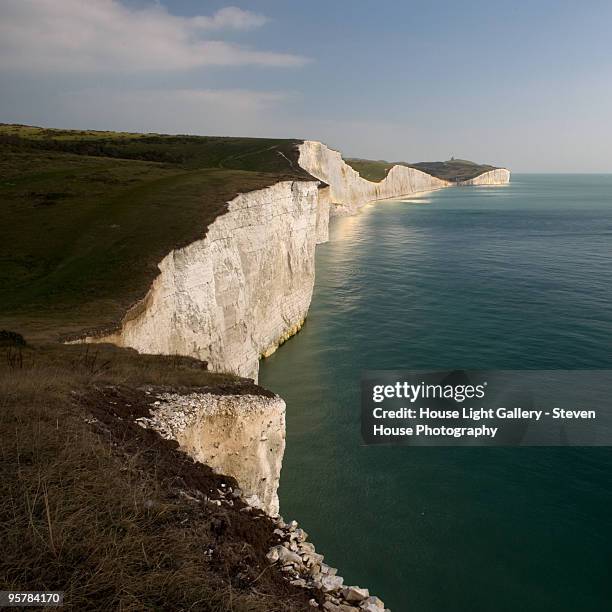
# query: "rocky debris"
[[355, 594], [372, 601], [302, 566], [297, 558]]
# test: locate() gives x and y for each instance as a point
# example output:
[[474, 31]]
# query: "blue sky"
[[522, 84]]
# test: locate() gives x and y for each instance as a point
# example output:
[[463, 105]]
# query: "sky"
[[522, 84]]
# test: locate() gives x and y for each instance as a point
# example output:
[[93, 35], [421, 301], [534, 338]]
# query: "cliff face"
[[499, 176], [242, 290], [237, 435], [349, 191], [323, 214], [238, 293]]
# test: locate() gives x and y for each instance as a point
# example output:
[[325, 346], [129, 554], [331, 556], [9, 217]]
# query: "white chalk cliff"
[[240, 291], [349, 191], [242, 436], [499, 176], [243, 289]]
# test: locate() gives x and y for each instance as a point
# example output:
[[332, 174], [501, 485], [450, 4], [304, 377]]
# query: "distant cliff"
[[499, 176], [348, 190]]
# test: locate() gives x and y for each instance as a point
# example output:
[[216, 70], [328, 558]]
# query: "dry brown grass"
[[84, 512]]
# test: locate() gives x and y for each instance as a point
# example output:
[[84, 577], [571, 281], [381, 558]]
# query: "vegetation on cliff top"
[[87, 216], [454, 170], [92, 503], [95, 505]]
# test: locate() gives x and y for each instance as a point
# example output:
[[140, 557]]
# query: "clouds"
[[229, 17], [105, 36], [227, 112]]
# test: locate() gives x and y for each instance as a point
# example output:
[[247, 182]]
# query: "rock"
[[375, 601], [370, 608], [299, 582], [338, 607], [331, 583], [312, 558], [299, 534], [354, 594], [227, 299], [313, 603], [283, 555]]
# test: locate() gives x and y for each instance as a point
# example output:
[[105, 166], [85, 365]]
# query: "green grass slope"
[[452, 170], [86, 216]]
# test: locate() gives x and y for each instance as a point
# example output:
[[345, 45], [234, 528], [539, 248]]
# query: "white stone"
[[245, 287], [283, 555], [240, 291], [355, 594], [331, 583], [373, 601]]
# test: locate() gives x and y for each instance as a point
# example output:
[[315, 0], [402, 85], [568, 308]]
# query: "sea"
[[506, 277]]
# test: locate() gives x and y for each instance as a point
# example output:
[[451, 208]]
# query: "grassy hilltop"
[[452, 170], [87, 216]]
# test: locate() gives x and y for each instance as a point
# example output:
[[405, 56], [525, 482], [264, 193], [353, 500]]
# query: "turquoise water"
[[515, 277]]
